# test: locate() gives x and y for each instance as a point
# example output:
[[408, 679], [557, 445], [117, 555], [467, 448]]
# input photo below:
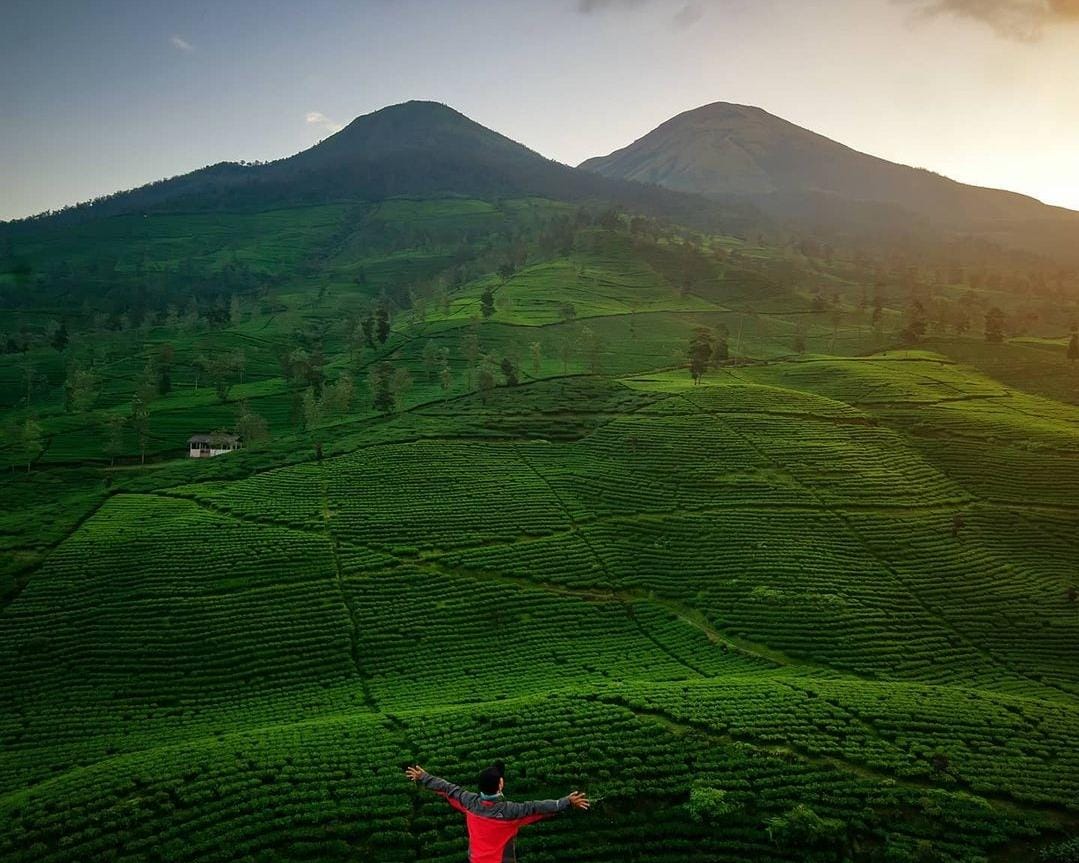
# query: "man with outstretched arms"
[[492, 820]]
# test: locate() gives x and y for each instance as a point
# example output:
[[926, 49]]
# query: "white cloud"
[[1024, 20], [181, 44], [684, 13], [317, 118], [587, 6], [688, 15]]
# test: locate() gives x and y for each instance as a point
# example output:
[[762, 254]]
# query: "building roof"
[[219, 437]]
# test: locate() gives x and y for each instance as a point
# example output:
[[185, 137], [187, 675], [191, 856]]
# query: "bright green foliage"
[[809, 602]]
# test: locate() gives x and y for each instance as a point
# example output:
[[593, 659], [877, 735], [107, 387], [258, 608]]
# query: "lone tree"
[[487, 302], [368, 330], [470, 348], [445, 380], [431, 354], [380, 382], [799, 342], [27, 437], [509, 372], [251, 427], [916, 323], [593, 348], [113, 436], [486, 378], [721, 353], [700, 352], [140, 422], [400, 384], [382, 323], [535, 350], [1073, 345], [994, 325], [60, 338], [82, 389], [166, 354]]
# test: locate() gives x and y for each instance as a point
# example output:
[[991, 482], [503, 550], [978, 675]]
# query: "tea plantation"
[[820, 605]]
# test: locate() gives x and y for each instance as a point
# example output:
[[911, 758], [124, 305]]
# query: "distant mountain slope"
[[415, 149], [724, 149]]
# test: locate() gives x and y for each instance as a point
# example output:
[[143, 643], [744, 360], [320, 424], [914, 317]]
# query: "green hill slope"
[[814, 607]]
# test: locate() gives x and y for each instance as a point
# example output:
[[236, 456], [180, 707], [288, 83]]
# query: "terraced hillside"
[[819, 606]]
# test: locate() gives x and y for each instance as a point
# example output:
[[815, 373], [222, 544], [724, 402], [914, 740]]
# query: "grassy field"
[[815, 607]]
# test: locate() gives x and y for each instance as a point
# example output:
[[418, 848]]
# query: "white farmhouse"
[[208, 445]]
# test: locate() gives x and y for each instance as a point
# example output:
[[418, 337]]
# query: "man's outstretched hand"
[[578, 800], [415, 772]]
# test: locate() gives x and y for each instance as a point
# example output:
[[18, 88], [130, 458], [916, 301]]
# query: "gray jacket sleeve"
[[455, 794], [541, 808]]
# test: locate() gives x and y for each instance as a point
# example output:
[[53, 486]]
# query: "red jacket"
[[493, 822]]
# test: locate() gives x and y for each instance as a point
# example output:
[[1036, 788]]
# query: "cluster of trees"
[[707, 349]]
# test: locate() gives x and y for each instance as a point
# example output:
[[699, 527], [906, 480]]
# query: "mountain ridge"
[[411, 148], [724, 149]]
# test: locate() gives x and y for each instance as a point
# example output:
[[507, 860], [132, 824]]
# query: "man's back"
[[492, 821]]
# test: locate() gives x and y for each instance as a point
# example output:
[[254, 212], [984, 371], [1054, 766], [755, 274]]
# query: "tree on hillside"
[[1073, 345], [441, 300], [470, 348], [509, 372], [112, 436], [356, 347], [837, 319], [382, 323], [914, 330], [592, 346], [32, 379], [565, 352], [801, 828], [799, 342], [994, 325], [445, 379], [368, 329], [400, 384], [337, 399], [26, 438], [380, 383], [567, 312], [485, 378], [487, 302], [721, 352], [190, 320], [146, 382], [140, 422], [534, 351], [701, 345], [431, 354], [876, 320], [239, 363], [236, 309], [81, 389], [221, 369], [59, 337], [305, 369], [251, 427], [166, 354], [312, 410], [419, 307]]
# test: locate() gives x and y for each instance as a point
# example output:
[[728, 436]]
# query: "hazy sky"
[[100, 95]]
